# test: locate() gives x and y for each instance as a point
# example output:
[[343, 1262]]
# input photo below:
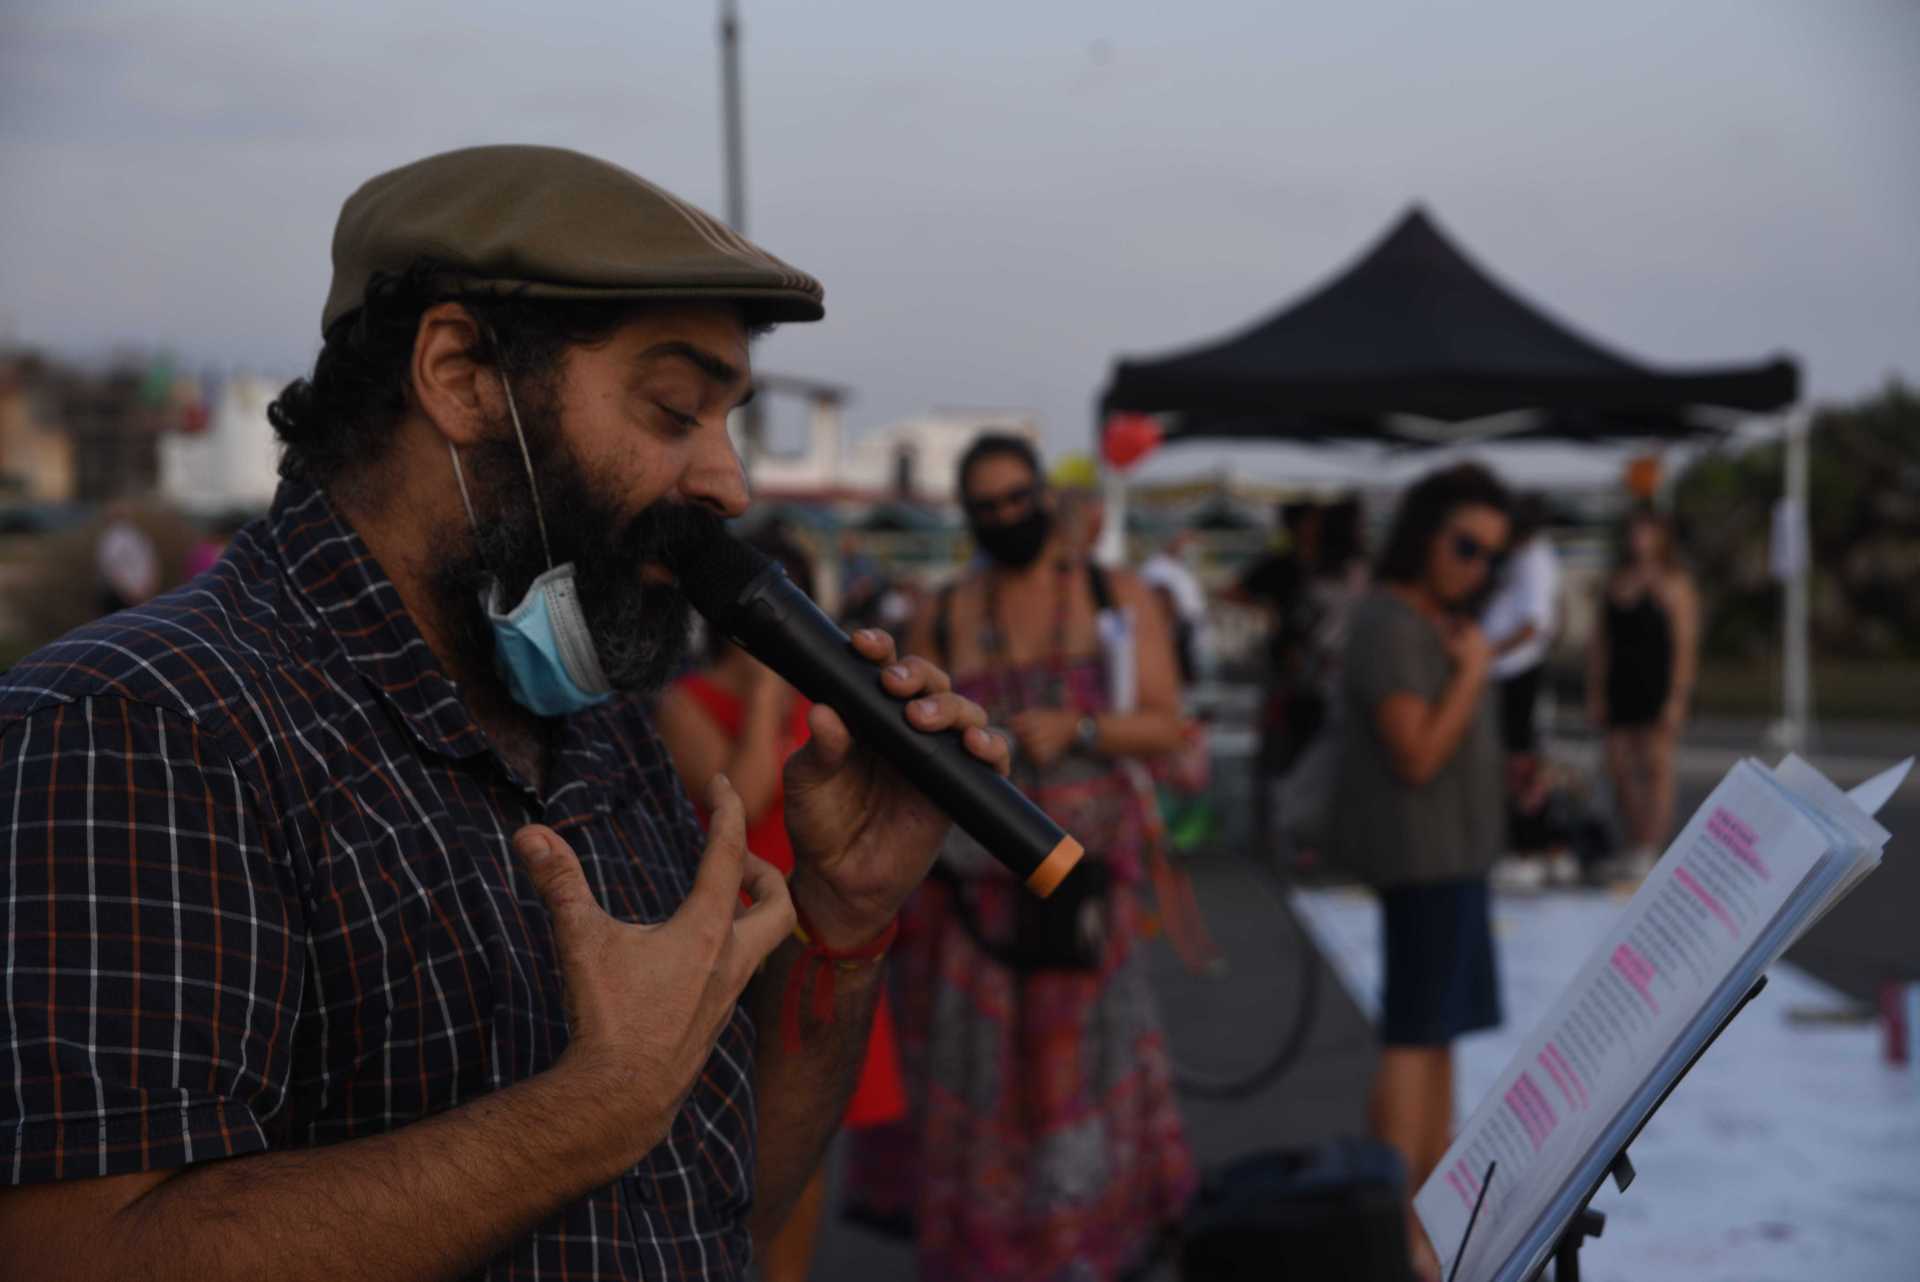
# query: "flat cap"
[[545, 222]]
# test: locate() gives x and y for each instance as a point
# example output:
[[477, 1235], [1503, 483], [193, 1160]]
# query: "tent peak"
[[1416, 222], [1416, 326]]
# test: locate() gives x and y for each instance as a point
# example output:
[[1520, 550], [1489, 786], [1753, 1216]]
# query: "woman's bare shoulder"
[[1677, 588]]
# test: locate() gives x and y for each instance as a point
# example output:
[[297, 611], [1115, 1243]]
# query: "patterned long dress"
[[1042, 1140]]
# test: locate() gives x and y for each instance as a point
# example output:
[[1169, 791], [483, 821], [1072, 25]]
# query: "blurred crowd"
[[1398, 744], [1397, 739]]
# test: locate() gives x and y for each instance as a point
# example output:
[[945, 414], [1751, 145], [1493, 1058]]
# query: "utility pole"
[[752, 426], [736, 174]]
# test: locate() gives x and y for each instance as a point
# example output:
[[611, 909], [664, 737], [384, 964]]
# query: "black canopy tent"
[[1415, 344]]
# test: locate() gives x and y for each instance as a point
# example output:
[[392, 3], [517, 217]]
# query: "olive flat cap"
[[545, 222]]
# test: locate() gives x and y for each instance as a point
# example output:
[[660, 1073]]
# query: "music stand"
[[1586, 1221]]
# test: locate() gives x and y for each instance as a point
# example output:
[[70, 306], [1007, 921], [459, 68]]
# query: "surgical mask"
[[541, 647], [1016, 544]]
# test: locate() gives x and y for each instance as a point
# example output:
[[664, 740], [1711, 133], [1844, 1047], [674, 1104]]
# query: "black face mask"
[[1016, 544]]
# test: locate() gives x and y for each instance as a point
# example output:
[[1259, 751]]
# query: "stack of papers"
[[1765, 856]]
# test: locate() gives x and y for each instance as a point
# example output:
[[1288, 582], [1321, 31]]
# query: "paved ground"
[[1869, 936]]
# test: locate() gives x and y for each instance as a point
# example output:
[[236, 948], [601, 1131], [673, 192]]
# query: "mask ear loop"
[[460, 477], [533, 486], [466, 501]]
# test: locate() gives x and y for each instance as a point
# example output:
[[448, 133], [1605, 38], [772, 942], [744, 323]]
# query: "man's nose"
[[715, 477]]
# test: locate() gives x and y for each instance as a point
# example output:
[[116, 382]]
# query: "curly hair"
[[1423, 513], [342, 415]]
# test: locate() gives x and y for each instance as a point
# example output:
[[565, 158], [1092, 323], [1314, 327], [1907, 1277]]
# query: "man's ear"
[[455, 392]]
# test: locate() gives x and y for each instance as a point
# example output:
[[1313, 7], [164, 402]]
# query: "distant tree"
[[1863, 497]]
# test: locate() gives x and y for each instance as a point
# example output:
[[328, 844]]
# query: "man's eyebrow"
[[720, 371]]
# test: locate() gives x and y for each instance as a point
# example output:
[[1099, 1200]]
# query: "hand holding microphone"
[[908, 723]]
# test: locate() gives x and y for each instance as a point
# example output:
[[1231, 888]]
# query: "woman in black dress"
[[1640, 670]]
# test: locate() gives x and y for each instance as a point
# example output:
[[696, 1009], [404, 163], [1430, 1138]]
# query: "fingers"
[[914, 675], [992, 746], [874, 645], [766, 925], [828, 744], [555, 871], [717, 882], [946, 711]]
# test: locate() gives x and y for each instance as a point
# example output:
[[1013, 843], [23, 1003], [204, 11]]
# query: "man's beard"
[[641, 631]]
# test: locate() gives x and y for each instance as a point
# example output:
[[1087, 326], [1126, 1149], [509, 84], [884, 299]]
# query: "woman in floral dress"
[[1042, 1139]]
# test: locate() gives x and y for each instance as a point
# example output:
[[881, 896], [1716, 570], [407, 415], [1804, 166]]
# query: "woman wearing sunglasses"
[[1418, 807]]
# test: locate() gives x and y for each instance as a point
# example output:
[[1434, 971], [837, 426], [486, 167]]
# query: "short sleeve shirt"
[[1528, 585], [1385, 830], [258, 895]]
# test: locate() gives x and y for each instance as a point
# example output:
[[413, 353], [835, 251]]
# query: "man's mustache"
[[665, 532]]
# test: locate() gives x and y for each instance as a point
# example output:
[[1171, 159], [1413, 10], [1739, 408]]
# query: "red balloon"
[[1128, 438]]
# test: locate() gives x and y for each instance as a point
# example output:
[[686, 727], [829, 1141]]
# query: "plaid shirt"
[[258, 895]]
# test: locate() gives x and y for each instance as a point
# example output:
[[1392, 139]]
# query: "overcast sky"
[[1002, 196]]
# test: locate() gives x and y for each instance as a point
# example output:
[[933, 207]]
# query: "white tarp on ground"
[[1792, 1151]]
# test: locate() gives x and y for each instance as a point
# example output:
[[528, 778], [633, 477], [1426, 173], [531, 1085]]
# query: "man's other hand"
[[645, 1004]]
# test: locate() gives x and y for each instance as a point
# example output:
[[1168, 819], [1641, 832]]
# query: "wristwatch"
[[1086, 734]]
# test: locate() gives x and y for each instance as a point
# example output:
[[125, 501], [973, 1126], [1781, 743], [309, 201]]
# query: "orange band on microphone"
[[1058, 863]]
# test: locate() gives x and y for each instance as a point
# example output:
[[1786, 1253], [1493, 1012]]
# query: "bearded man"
[[357, 927]]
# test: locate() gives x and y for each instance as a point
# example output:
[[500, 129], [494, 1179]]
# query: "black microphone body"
[[778, 624]]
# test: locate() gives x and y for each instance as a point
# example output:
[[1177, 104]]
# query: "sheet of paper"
[[1837, 807], [1877, 791], [1850, 824], [1706, 905]]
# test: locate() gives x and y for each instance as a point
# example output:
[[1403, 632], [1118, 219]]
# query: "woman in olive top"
[[1419, 812]]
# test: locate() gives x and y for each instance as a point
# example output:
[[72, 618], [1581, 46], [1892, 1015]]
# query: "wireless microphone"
[[750, 599]]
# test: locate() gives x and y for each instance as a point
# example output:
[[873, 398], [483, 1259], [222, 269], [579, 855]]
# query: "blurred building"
[[36, 455], [108, 421], [915, 459], [813, 469], [116, 435], [912, 460], [232, 462]]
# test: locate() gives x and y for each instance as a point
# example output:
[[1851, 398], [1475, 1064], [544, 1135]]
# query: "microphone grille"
[[713, 572]]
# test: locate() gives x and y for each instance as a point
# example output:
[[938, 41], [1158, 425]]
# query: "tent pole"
[[1796, 693], [1111, 549]]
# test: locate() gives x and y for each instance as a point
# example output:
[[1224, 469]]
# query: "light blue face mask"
[[541, 648]]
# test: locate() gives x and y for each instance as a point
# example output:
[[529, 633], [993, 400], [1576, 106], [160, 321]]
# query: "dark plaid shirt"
[[258, 895]]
